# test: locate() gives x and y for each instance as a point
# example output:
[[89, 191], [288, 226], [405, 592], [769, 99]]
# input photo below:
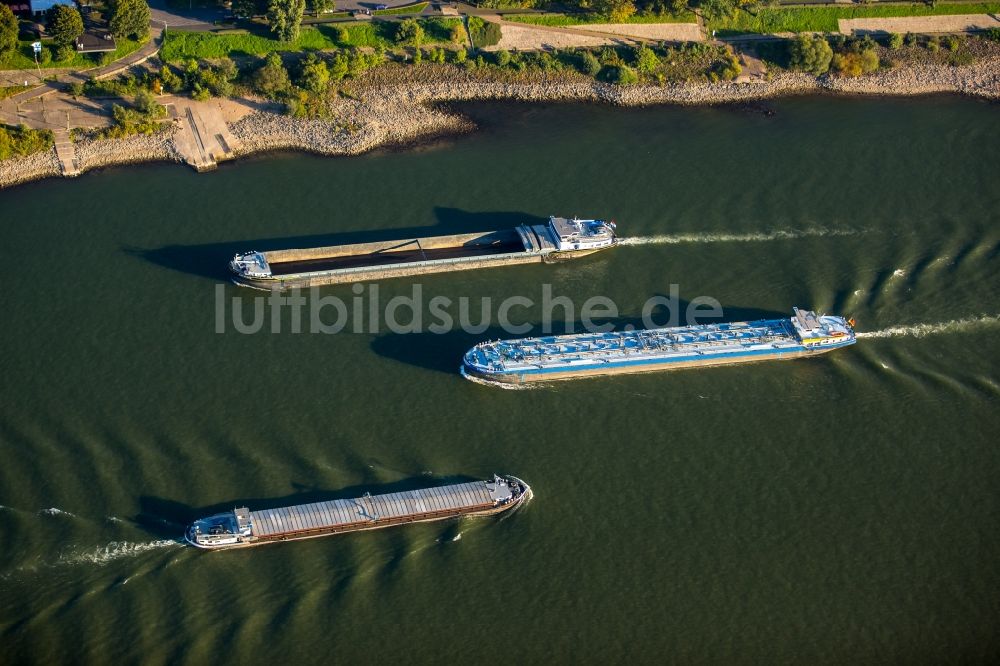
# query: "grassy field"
[[10, 91], [181, 45], [561, 20], [22, 58], [824, 19], [405, 9]]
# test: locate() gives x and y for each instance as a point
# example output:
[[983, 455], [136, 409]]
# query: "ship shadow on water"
[[166, 518], [443, 352], [211, 260]]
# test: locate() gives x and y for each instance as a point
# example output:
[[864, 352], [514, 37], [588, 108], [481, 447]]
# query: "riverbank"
[[401, 105]]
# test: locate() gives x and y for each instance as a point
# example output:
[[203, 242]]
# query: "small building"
[[20, 8], [96, 41], [42, 6]]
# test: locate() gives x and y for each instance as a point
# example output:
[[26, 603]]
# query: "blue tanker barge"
[[589, 354]]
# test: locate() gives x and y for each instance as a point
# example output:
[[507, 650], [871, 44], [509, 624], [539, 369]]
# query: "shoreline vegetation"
[[343, 89], [398, 106]]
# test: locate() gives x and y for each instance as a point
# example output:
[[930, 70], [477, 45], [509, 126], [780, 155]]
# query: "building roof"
[[95, 42]]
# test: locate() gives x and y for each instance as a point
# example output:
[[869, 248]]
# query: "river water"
[[843, 509]]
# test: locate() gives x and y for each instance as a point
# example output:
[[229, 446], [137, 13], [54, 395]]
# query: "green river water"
[[843, 509]]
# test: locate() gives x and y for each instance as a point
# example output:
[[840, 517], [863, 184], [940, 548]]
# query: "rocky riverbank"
[[397, 105]]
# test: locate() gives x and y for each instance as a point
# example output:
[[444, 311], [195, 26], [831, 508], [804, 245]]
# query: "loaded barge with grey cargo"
[[242, 527], [561, 238]]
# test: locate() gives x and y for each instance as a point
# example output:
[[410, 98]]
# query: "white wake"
[[115, 550], [494, 384], [921, 330], [780, 234]]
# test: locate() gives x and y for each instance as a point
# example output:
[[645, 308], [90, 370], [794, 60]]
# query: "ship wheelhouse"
[[576, 234]]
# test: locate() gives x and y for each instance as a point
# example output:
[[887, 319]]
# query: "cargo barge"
[[242, 527], [561, 238], [647, 350]]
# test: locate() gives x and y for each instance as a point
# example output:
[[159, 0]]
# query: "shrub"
[[910, 39], [646, 61], [45, 57], [933, 44], [951, 42], [855, 64], [895, 41], [171, 82], [65, 53], [993, 34], [624, 75], [409, 31], [462, 56], [502, 58], [728, 67], [589, 64], [21, 141]]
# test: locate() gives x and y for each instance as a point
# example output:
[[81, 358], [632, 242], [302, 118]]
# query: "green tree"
[[271, 79], [64, 24], [249, 8], [8, 29], [617, 11], [285, 18], [410, 31], [503, 58], [130, 18], [314, 75], [716, 9], [320, 6], [811, 54]]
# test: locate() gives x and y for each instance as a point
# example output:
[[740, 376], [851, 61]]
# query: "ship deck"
[[413, 253], [585, 349], [359, 511]]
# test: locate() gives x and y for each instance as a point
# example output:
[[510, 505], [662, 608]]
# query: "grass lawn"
[[404, 9], [10, 91], [560, 20], [824, 19], [181, 45], [23, 58]]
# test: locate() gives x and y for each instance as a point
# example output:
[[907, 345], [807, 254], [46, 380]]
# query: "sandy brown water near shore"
[[397, 106]]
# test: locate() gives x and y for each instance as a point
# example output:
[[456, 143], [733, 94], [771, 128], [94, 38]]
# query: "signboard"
[[37, 46]]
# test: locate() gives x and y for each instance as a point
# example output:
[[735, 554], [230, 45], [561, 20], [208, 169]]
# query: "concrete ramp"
[[204, 139], [66, 153]]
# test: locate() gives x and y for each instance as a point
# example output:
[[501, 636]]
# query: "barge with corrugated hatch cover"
[[242, 527], [646, 350], [562, 238]]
